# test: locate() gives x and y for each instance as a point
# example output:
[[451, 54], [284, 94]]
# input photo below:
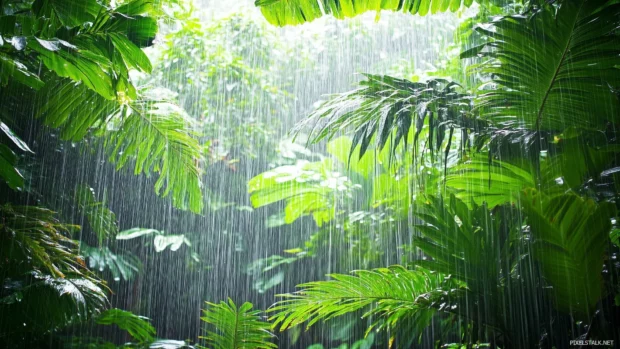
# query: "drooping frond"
[[157, 136], [153, 134], [293, 12], [137, 326], [570, 236], [36, 239], [385, 108], [553, 69], [391, 295], [36, 302], [46, 285], [236, 327]]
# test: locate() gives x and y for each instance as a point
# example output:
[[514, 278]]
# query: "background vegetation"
[[464, 194]]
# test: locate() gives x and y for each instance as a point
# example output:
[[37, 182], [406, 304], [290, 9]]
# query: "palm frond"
[[393, 295], [157, 136], [153, 134], [46, 285], [570, 235], [36, 239], [293, 12], [236, 327], [385, 109], [553, 69], [138, 327], [42, 303]]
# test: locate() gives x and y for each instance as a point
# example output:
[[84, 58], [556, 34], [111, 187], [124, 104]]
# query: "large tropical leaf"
[[390, 296], [161, 240], [570, 235], [236, 327], [554, 69], [293, 12], [71, 13], [309, 188]]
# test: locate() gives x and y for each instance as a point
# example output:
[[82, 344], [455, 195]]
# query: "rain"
[[309, 174]]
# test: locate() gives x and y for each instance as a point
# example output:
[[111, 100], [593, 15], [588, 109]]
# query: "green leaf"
[[135, 233], [169, 344], [8, 171], [14, 138], [174, 242], [236, 327], [72, 13], [133, 56], [494, 182], [83, 66], [307, 188], [137, 326], [570, 237], [12, 69]]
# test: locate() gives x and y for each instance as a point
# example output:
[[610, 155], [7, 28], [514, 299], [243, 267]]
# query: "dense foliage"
[[475, 204]]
